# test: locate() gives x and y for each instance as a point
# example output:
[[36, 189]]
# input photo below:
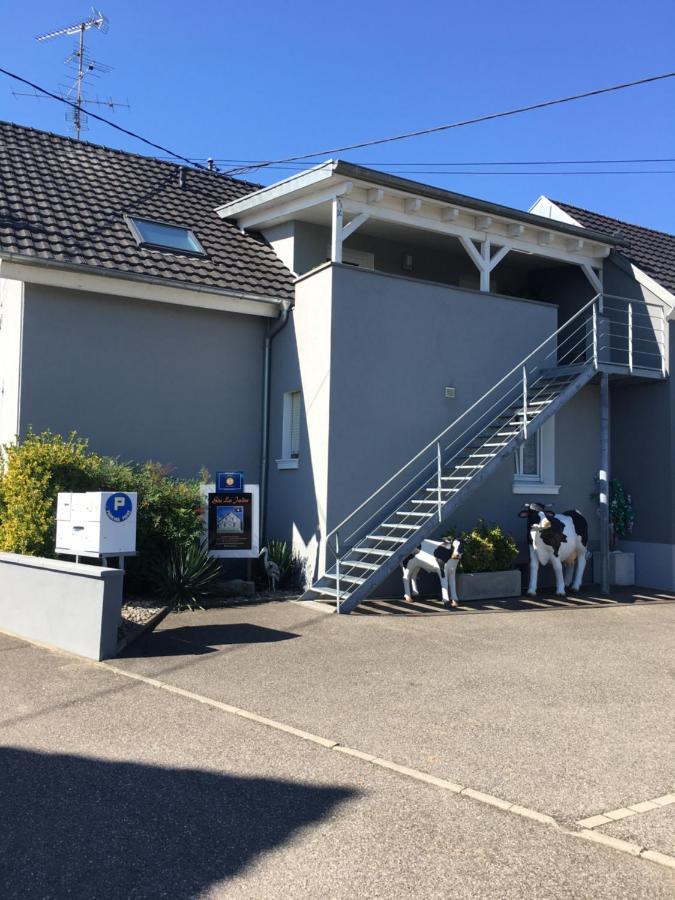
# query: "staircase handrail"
[[518, 367]]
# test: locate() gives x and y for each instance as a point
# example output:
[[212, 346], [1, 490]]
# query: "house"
[[382, 356]]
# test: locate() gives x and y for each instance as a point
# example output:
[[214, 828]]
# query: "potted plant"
[[621, 518], [486, 570]]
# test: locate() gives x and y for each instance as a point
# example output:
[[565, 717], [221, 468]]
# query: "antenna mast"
[[84, 67]]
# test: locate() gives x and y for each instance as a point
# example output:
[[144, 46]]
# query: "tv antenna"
[[84, 67]]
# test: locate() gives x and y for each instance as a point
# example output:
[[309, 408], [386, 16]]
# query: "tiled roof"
[[652, 251], [64, 200]]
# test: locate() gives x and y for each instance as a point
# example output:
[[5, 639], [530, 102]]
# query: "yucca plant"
[[291, 564], [184, 575]]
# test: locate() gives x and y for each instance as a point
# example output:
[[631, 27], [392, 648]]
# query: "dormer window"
[[160, 236]]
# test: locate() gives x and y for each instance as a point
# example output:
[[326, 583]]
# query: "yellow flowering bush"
[[33, 471]]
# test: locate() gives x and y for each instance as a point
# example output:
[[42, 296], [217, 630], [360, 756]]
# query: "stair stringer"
[[362, 591]]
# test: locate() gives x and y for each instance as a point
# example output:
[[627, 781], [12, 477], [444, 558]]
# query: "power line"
[[102, 119], [530, 162], [540, 173], [485, 118]]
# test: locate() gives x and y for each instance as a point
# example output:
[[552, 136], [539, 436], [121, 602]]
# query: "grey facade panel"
[[144, 380], [642, 419], [291, 496], [395, 346]]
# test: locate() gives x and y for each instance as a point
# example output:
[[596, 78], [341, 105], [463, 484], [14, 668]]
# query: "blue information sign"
[[229, 482], [118, 507]]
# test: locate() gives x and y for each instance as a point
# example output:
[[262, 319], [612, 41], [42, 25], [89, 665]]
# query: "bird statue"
[[271, 570]]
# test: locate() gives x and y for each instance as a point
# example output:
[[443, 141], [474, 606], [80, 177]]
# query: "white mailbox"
[[96, 523]]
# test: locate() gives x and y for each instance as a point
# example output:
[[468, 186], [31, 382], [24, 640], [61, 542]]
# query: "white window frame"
[[544, 481], [290, 450]]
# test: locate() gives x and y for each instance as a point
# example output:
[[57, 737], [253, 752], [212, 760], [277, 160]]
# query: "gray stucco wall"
[[395, 345], [144, 380], [642, 432]]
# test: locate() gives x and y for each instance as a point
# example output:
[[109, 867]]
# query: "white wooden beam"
[[449, 214], [483, 223], [411, 204], [545, 238], [515, 230], [485, 253], [336, 231], [498, 257], [575, 244], [262, 215], [355, 223], [375, 195], [470, 248], [591, 254], [593, 277]]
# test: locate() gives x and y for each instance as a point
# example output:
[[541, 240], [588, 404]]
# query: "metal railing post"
[[439, 472], [630, 337], [525, 402], [337, 573], [595, 337]]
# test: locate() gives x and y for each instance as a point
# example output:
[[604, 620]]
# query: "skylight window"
[[161, 236]]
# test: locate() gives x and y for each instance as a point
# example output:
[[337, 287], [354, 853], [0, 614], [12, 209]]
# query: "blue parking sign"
[[118, 507]]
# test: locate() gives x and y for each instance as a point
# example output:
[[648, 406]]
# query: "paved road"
[[111, 787]]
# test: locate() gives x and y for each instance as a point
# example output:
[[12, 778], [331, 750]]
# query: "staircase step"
[[359, 564], [374, 550], [386, 537], [413, 512], [350, 579], [409, 527], [330, 592]]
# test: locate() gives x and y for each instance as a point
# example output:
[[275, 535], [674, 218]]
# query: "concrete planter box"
[[621, 568], [488, 585], [65, 605]]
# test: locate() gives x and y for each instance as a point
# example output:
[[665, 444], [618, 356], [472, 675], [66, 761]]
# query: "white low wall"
[[66, 605]]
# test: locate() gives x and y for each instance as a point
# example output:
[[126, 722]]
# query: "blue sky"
[[268, 80]]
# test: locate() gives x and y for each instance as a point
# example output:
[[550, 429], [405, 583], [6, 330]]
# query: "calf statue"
[[559, 540], [439, 557]]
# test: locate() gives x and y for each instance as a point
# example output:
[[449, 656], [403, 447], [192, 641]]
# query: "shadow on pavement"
[[193, 640], [77, 827]]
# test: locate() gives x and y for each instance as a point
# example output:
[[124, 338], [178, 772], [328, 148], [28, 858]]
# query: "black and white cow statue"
[[560, 540], [438, 557]]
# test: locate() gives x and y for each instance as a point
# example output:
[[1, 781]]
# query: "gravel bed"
[[136, 613]]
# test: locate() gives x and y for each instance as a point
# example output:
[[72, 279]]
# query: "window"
[[290, 437], [535, 463], [528, 462], [161, 236]]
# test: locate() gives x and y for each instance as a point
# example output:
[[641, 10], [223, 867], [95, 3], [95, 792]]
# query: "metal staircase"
[[411, 505]]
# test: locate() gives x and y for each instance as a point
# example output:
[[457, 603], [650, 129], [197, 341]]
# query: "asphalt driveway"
[[114, 786]]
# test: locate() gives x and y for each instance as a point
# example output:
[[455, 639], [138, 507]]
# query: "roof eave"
[[419, 189], [130, 284]]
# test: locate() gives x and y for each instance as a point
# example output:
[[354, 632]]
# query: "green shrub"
[[184, 575], [36, 469], [486, 548]]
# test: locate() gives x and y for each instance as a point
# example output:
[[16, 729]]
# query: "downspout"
[[280, 323]]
